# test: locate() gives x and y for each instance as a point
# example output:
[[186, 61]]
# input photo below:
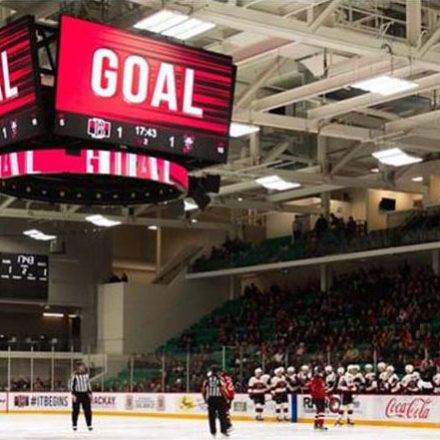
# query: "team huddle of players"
[[342, 382]]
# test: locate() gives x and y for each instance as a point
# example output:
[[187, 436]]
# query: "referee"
[[81, 396], [212, 392]]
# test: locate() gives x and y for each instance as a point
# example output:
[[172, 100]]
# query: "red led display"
[[126, 88]]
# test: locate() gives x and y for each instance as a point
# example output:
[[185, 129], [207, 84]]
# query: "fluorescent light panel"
[[53, 315], [237, 130], [174, 24], [190, 205], [153, 228], [417, 179], [396, 157], [38, 235], [385, 85], [100, 220], [276, 183]]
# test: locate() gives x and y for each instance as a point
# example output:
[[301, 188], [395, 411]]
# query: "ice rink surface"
[[14, 427]]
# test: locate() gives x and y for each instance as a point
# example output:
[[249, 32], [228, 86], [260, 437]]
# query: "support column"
[[325, 202], [324, 277], [436, 261], [158, 250], [254, 148]]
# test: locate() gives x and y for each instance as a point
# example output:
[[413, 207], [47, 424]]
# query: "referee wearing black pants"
[[213, 396], [81, 396]]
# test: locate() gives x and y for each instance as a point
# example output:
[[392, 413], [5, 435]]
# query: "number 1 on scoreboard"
[[172, 141]]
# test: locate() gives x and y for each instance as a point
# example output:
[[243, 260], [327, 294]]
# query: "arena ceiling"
[[297, 62]]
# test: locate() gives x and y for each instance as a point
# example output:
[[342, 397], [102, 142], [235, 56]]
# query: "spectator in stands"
[[351, 228], [297, 228], [321, 225]]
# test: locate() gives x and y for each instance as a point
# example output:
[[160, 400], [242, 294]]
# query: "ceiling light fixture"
[[375, 170], [417, 179], [53, 315], [276, 183], [153, 228], [38, 235], [396, 157], [385, 85], [103, 222], [237, 130], [174, 24]]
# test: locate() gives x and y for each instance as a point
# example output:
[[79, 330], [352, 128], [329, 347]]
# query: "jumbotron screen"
[[124, 88], [21, 115]]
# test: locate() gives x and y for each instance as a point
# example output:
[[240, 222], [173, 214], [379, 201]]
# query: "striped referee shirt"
[[80, 383], [213, 386]]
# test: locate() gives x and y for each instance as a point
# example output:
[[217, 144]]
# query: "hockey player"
[[392, 384], [257, 389], [383, 377], [347, 387], [331, 379], [436, 383], [410, 383], [317, 389], [292, 380], [303, 377], [278, 386], [359, 379], [370, 379], [228, 391]]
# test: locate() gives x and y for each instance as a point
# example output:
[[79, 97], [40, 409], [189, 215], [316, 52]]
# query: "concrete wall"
[[152, 314], [74, 276], [376, 218]]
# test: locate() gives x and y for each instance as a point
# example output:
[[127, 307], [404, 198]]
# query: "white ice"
[[14, 427]]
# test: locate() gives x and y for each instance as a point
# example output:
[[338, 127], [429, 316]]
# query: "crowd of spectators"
[[329, 236], [365, 315]]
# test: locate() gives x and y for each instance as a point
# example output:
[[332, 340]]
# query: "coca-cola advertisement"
[[409, 408]]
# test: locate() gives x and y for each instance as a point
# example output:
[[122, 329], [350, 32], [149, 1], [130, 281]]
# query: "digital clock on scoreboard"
[[24, 276], [124, 88]]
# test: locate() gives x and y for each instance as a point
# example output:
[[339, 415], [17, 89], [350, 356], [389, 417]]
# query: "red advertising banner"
[[93, 162], [126, 88], [20, 105]]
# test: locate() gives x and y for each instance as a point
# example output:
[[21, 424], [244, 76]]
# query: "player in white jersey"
[[392, 384], [383, 377], [371, 385], [292, 380], [331, 379], [279, 390], [303, 377], [359, 379], [347, 388], [257, 389], [436, 383], [411, 382]]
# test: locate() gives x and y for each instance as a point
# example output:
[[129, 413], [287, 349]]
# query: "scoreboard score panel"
[[21, 112], [129, 89], [24, 276]]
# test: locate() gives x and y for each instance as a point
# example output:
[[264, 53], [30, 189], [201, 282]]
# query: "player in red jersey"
[[317, 389], [228, 391]]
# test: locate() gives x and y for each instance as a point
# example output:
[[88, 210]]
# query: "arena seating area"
[[328, 238], [397, 312]]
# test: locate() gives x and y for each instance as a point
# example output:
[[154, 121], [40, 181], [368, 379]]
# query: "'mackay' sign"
[[125, 88], [21, 114]]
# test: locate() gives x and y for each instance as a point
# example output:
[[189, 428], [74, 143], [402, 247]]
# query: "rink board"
[[382, 410], [402, 411]]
